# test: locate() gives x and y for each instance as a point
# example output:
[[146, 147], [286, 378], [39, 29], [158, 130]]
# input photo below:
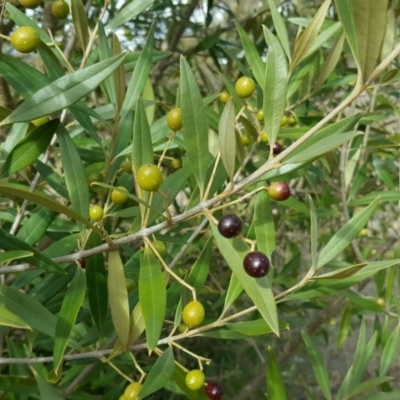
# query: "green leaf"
[[346, 15], [18, 384], [306, 39], [139, 78], [105, 53], [64, 91], [313, 233], [227, 139], [234, 290], [275, 87], [11, 243], [275, 387], [195, 130], [97, 284], [390, 351], [345, 326], [11, 190], [29, 148], [254, 328], [259, 290], [331, 61], [118, 297], [345, 235], [159, 374], [263, 223], [71, 304], [395, 395], [199, 271], [28, 309], [7, 318], [36, 226], [46, 390], [344, 125], [152, 296], [15, 135], [320, 372], [75, 177], [386, 196], [128, 12], [6, 256], [370, 25], [279, 25], [80, 21], [322, 147], [252, 55]]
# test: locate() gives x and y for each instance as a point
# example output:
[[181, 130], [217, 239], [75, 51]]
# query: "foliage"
[[105, 78]]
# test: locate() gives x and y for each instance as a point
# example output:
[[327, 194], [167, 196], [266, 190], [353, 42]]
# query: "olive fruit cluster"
[[256, 264], [195, 380]]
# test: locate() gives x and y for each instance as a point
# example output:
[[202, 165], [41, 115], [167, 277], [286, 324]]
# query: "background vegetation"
[[324, 323]]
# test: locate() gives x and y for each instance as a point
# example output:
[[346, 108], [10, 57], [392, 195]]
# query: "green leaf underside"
[[118, 297], [227, 140]]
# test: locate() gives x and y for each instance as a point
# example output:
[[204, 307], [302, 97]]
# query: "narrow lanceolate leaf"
[[263, 223], [346, 234], [137, 326], [227, 140], [390, 351], [344, 125], [28, 309], [275, 87], [234, 290], [152, 296], [320, 372], [159, 374], [72, 302], [307, 38], [199, 272], [275, 387], [313, 234], [75, 177], [64, 91], [322, 147], [346, 15], [36, 226], [105, 53], [259, 290], [370, 21], [6, 256], [28, 150], [47, 391], [128, 12], [280, 27], [7, 318], [20, 191], [139, 76], [118, 296], [195, 129], [9, 242], [18, 385], [119, 75], [142, 147], [331, 60], [97, 284], [252, 55], [80, 21]]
